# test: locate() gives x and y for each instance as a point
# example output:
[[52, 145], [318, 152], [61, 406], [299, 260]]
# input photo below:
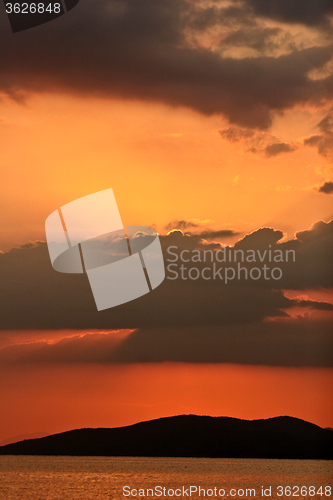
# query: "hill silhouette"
[[189, 436]]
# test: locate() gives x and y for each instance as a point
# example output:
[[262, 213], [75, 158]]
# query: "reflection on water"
[[85, 478]]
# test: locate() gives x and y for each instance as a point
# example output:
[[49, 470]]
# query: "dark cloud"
[[34, 296], [182, 320], [257, 142], [324, 141], [260, 238], [278, 148], [313, 266], [139, 50], [303, 343], [223, 233], [236, 134], [308, 12], [316, 234], [37, 297], [326, 124], [326, 188]]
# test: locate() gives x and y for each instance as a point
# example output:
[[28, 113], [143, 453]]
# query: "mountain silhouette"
[[189, 436]]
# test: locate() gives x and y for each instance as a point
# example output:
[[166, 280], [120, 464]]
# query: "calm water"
[[85, 478]]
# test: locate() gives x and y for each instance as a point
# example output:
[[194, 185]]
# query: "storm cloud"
[[37, 297], [183, 320], [143, 50]]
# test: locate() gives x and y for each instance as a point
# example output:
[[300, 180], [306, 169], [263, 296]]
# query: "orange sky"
[[57, 398], [163, 164], [63, 141]]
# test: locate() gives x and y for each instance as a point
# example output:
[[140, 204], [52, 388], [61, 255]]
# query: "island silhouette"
[[189, 436]]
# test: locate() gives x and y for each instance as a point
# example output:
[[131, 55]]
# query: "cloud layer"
[[191, 320], [301, 344], [37, 297], [257, 142], [153, 50]]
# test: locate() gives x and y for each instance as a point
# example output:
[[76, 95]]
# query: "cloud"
[[326, 124], [236, 134], [181, 224], [141, 50], [77, 348], [301, 343], [278, 148], [324, 141], [211, 234], [260, 238], [294, 11], [245, 321], [313, 267], [324, 144], [315, 235], [326, 188], [260, 40], [257, 142], [196, 232], [34, 296]]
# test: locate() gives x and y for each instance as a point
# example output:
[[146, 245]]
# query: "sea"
[[121, 478]]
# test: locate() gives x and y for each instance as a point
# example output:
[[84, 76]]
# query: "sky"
[[212, 121]]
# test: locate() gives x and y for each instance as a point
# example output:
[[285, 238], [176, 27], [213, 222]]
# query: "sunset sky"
[[211, 118]]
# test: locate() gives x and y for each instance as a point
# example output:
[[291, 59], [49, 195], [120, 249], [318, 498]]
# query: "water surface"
[[96, 478]]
